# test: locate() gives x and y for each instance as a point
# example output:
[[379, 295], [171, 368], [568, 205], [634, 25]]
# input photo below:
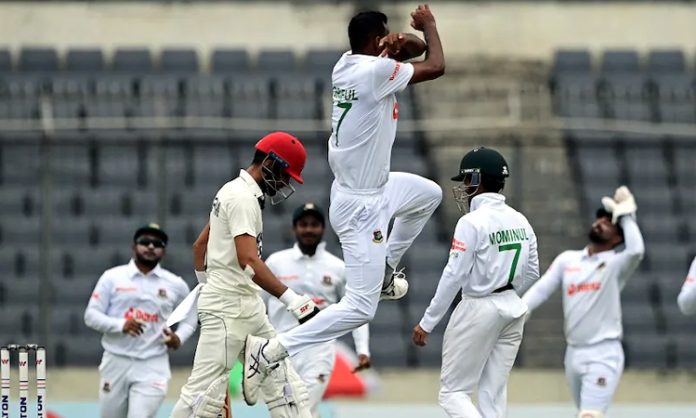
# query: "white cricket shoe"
[[395, 285], [261, 356]]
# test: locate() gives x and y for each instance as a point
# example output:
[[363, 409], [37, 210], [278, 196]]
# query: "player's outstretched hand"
[[622, 204], [391, 44], [420, 336], [133, 327], [171, 340], [422, 17], [363, 363]]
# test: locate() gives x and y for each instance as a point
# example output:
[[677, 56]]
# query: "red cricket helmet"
[[287, 150]]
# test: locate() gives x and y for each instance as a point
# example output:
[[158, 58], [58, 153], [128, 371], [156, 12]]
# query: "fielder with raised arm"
[[687, 295], [364, 194], [591, 281], [494, 252]]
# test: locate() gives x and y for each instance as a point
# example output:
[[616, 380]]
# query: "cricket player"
[[493, 253], [229, 306], [364, 194], [591, 281], [687, 296], [129, 305], [309, 269]]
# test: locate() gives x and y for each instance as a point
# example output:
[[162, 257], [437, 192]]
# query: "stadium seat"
[[225, 61], [389, 349], [141, 207], [626, 96], [638, 319], [84, 60], [321, 61], [17, 201], [645, 351], [21, 291], [20, 230], [179, 60], [663, 61], [250, 97], [572, 61], [19, 96], [575, 95], [296, 97], [134, 60], [173, 168], [84, 350], [686, 356], [205, 96], [103, 202], [674, 95], [38, 59], [276, 61], [668, 260], [620, 61], [159, 96], [5, 60], [214, 164], [71, 164], [119, 161]]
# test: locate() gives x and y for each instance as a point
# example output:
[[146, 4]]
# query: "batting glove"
[[622, 204]]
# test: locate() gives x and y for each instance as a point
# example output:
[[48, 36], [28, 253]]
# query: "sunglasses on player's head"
[[158, 243]]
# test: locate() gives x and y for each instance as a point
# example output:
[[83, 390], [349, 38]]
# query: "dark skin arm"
[[434, 64], [199, 249], [247, 254]]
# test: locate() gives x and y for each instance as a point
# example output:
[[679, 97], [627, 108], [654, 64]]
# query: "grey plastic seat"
[[646, 164], [666, 61], [182, 231], [230, 61], [659, 228], [103, 202], [675, 93], [668, 260], [321, 61], [620, 61], [24, 291], [389, 349], [179, 60], [84, 60], [5, 60], [18, 201], [276, 61], [26, 261], [174, 169], [20, 230], [626, 96], [296, 97], [214, 163], [638, 318], [84, 263], [84, 350], [117, 163], [21, 160], [118, 232], [646, 351], [19, 95], [73, 231], [250, 97], [159, 96], [179, 260], [686, 356], [205, 96], [136, 60], [575, 95], [70, 164], [407, 160], [572, 60], [141, 207], [38, 59]]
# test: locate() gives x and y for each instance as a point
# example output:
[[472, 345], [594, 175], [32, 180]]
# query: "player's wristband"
[[288, 297]]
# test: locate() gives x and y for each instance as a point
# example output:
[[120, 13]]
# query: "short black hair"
[[259, 156], [365, 26]]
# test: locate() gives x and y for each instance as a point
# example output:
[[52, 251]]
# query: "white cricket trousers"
[[478, 350], [225, 323], [132, 388], [593, 373], [361, 220], [315, 366]]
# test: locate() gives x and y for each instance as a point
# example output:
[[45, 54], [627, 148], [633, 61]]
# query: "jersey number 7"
[[346, 107], [517, 247]]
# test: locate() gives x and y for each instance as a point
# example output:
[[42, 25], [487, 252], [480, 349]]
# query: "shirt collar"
[[133, 270], [297, 254], [600, 255], [253, 185], [487, 199]]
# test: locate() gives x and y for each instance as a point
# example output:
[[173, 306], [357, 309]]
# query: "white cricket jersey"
[[124, 292], [591, 286], [364, 117], [236, 211], [321, 276], [493, 246], [687, 296]]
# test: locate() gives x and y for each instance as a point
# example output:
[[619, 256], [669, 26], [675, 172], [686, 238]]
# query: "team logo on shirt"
[[139, 314], [106, 388], [396, 71], [162, 293], [602, 381], [327, 280], [583, 287], [377, 236]]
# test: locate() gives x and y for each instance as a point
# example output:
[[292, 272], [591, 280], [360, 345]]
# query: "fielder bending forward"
[[591, 281], [494, 252], [364, 194]]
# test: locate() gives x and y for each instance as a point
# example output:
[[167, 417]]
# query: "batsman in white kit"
[[591, 281], [130, 305], [687, 296], [229, 305], [364, 194], [308, 268], [493, 253]]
